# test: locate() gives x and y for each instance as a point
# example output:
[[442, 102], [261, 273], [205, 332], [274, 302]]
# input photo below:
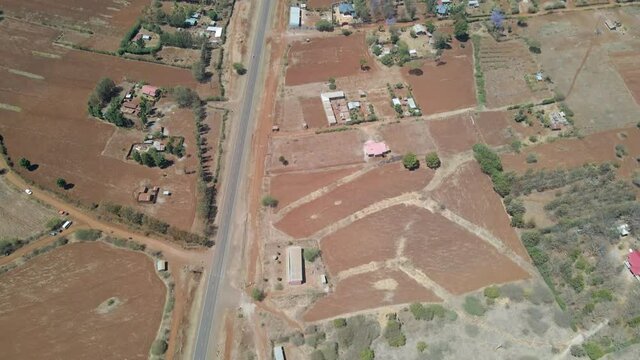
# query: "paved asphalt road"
[[237, 171]]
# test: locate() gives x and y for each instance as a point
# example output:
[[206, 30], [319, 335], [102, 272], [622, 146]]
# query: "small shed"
[[413, 53], [624, 229], [295, 265], [442, 9], [162, 265], [323, 279], [411, 103], [146, 37], [278, 353], [419, 29], [346, 9], [295, 16], [633, 263], [215, 30], [191, 21], [612, 25], [396, 101], [352, 105], [372, 148], [474, 3]]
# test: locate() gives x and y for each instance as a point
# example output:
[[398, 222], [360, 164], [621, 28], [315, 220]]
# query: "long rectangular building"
[[295, 265]]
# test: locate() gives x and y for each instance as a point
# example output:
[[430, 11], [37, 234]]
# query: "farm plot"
[[454, 134], [20, 216], [494, 127], [469, 193], [628, 66], [289, 187], [369, 291], [408, 136], [320, 4], [445, 87], [313, 112], [570, 153], [382, 183], [508, 68], [323, 58], [316, 151], [51, 314], [57, 135]]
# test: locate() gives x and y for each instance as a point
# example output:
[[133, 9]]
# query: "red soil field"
[[569, 153], [494, 127], [408, 136], [445, 87], [315, 4], [289, 187], [322, 58], [450, 255], [627, 65], [313, 112], [49, 306], [453, 135], [53, 129], [316, 151], [384, 182], [469, 193], [369, 291]]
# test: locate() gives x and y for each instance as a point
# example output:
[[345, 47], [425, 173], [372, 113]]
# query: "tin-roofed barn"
[[295, 17], [295, 265]]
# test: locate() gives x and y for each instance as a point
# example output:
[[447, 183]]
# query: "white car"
[[28, 191]]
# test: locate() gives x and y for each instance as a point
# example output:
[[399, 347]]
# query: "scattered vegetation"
[[393, 332], [88, 234], [432, 160], [410, 161], [269, 201], [473, 306], [311, 254], [239, 68], [324, 25], [257, 294]]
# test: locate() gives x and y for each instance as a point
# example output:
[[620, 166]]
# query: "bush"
[[239, 68], [311, 254], [257, 294], [159, 347], [198, 69], [25, 163], [61, 183], [473, 306], [324, 25], [88, 234], [421, 346], [432, 160], [489, 160], [577, 351], [269, 201], [54, 223], [621, 150], [185, 97], [346, 32], [339, 323], [532, 158], [593, 350], [410, 161], [367, 354], [492, 292], [393, 333]]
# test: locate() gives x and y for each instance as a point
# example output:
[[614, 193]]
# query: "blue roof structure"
[[346, 8], [295, 15], [442, 9], [191, 21]]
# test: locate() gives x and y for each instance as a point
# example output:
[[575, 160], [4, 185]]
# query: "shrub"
[[239, 68], [577, 351], [473, 306], [393, 333], [54, 223], [532, 158], [488, 159], [339, 323], [257, 294], [324, 25], [61, 183], [367, 354], [346, 32], [593, 350], [421, 346], [25, 163], [410, 161], [621, 150], [432, 160], [269, 201], [185, 97], [311, 254], [88, 234], [159, 347], [492, 292], [516, 145]]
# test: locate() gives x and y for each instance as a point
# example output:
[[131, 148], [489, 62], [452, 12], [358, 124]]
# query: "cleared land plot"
[[628, 66], [20, 216], [453, 135], [408, 136], [369, 291], [469, 193], [495, 127], [382, 183], [569, 153], [313, 112], [316, 151], [55, 132], [322, 58], [445, 87], [52, 315], [505, 66], [289, 187], [315, 4]]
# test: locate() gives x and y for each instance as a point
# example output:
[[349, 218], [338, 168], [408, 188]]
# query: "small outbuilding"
[[215, 30], [346, 9], [624, 229], [295, 265], [278, 353], [353, 105], [419, 29], [474, 3], [191, 21], [396, 101], [411, 103], [162, 265], [372, 148], [295, 17], [149, 90], [413, 52]]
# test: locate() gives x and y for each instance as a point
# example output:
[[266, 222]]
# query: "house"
[[612, 25], [295, 265], [149, 90], [413, 53], [295, 17], [396, 102], [346, 9], [411, 103], [442, 10], [278, 353], [191, 21], [131, 107], [146, 37], [624, 229], [633, 263], [162, 265], [158, 145], [419, 29], [353, 105], [372, 148], [326, 104], [474, 3], [215, 30], [147, 196]]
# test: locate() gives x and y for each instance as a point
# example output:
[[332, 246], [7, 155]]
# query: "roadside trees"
[[432, 160], [239, 68]]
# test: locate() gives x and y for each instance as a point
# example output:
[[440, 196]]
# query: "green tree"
[[461, 29], [269, 201], [324, 25], [387, 60], [431, 6], [431, 27], [61, 183], [367, 354], [311, 254], [147, 159], [25, 163], [362, 10], [199, 72], [492, 292], [410, 7], [441, 40], [185, 97], [105, 90], [239, 68], [257, 294], [159, 347], [410, 161], [135, 155], [432, 160]]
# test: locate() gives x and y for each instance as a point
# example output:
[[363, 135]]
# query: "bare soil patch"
[[369, 291], [382, 183], [454, 134], [628, 67], [316, 4], [51, 314], [495, 127], [313, 112], [321, 58], [408, 136], [445, 87]]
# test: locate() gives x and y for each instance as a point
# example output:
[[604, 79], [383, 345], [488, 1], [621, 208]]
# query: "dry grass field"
[[21, 216]]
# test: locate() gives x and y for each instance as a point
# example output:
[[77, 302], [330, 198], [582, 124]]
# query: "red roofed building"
[[372, 148], [633, 263], [150, 90]]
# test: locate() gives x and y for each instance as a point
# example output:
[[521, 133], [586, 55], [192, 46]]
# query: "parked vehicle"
[[66, 225], [28, 191]]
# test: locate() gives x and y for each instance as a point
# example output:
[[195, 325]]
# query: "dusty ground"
[[42, 301], [21, 216]]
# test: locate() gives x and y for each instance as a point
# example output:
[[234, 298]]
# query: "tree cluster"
[[150, 158]]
